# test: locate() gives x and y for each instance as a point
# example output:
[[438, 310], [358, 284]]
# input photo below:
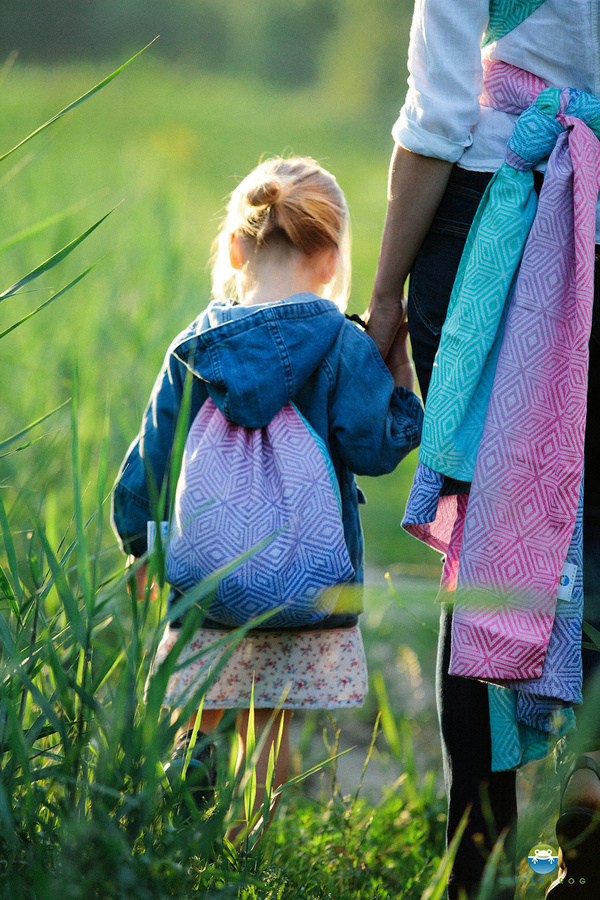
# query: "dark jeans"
[[463, 703]]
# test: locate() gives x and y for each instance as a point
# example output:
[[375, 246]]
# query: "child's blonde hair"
[[292, 200]]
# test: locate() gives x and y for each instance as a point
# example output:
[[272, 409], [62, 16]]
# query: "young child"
[[275, 332]]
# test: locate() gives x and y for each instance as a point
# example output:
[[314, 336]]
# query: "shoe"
[[578, 836], [201, 773]]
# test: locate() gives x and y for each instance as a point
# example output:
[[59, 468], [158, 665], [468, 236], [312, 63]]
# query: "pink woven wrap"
[[521, 510]]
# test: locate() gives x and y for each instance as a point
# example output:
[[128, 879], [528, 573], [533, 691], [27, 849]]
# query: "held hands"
[[388, 327], [384, 317]]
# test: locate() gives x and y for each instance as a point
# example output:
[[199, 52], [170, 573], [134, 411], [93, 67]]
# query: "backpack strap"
[[506, 15]]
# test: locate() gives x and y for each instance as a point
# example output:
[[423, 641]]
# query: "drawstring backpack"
[[273, 488]]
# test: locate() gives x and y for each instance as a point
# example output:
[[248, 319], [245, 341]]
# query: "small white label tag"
[[151, 533], [566, 582]]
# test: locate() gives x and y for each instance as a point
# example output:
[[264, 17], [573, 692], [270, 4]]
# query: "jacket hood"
[[254, 359]]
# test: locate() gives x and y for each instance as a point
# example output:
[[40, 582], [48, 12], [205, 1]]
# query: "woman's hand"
[[416, 186], [384, 317]]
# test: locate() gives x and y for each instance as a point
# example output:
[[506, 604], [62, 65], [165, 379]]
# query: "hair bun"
[[264, 194]]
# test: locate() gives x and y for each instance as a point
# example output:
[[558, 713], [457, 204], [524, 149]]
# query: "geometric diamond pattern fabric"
[[465, 365], [562, 671], [514, 741], [527, 717], [239, 486], [506, 15], [527, 478]]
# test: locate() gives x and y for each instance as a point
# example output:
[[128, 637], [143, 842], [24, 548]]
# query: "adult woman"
[[447, 148]]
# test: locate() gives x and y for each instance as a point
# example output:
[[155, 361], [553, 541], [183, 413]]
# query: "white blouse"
[[441, 116]]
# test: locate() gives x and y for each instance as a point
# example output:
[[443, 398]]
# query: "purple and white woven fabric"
[[240, 487]]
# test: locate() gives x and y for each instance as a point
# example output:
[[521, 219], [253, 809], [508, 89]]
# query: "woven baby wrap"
[[507, 403], [506, 15]]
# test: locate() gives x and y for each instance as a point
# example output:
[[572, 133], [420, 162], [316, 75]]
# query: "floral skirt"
[[295, 670]]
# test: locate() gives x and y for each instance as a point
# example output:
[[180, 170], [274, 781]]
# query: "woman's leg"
[[591, 506], [462, 703], [489, 796]]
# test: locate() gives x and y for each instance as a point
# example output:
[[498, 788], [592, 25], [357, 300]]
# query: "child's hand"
[[398, 359], [140, 578]]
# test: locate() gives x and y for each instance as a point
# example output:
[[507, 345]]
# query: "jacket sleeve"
[[373, 424], [148, 457], [446, 77]]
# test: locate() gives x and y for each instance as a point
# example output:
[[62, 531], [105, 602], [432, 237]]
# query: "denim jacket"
[[251, 360]]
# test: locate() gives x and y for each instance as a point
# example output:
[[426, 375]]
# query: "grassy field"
[[162, 148], [167, 146]]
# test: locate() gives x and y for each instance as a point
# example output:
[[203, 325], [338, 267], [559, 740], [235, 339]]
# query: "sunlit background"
[[226, 82]]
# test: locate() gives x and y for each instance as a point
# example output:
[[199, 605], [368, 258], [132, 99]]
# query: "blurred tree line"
[[353, 45]]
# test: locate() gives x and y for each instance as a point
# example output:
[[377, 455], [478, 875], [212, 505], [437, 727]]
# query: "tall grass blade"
[[78, 102], [14, 170], [16, 740], [367, 758], [388, 723], [398, 598], [436, 889], [105, 671], [40, 227], [11, 553], [273, 757], [489, 882], [49, 301], [195, 730], [298, 779], [53, 260], [19, 434], [83, 562], [101, 498], [6, 638], [8, 594], [7, 65], [250, 787], [8, 828], [61, 582], [46, 705], [594, 635]]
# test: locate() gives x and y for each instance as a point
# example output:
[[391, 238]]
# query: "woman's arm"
[[416, 186], [432, 132]]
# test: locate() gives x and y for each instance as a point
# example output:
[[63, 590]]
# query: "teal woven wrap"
[[464, 368], [506, 15]]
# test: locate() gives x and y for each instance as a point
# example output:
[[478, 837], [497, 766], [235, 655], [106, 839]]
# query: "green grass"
[[168, 146]]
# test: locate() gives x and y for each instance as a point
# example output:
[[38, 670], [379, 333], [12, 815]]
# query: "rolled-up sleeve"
[[373, 425], [445, 78]]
